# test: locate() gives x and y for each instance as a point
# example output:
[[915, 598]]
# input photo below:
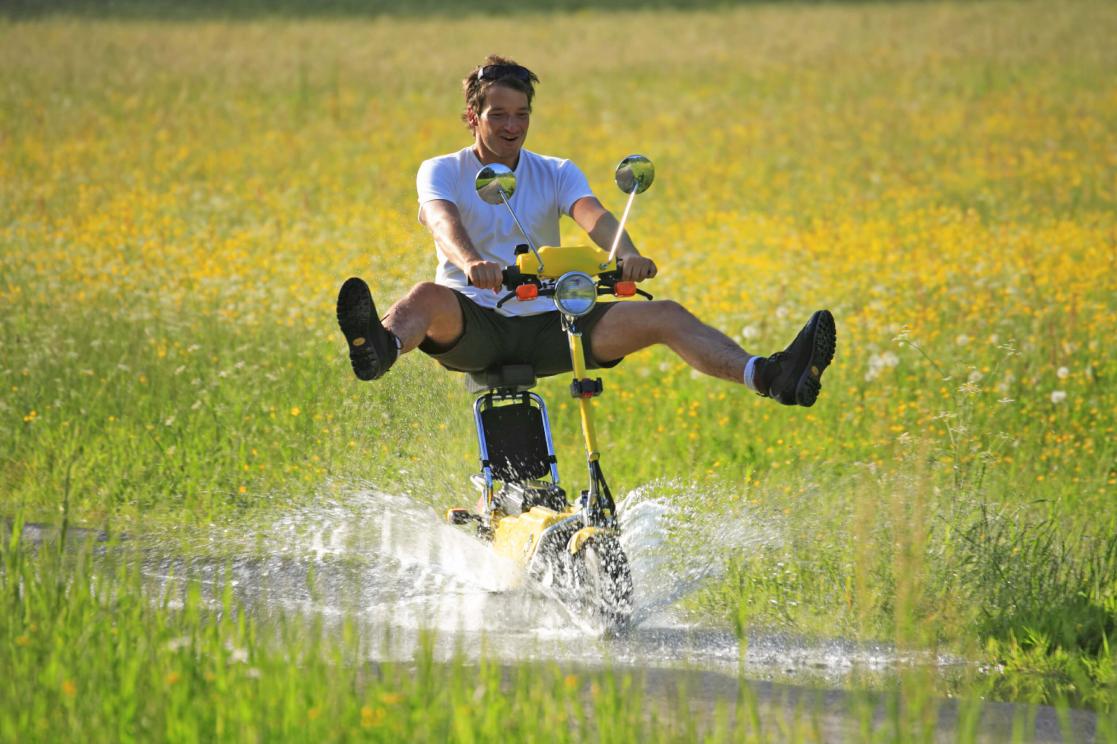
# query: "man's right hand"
[[485, 275]]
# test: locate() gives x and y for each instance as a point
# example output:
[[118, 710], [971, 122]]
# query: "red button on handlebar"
[[624, 289], [527, 292]]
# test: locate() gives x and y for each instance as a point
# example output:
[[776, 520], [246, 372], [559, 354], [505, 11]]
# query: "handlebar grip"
[[505, 274]]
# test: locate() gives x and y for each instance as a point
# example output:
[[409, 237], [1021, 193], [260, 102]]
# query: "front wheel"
[[603, 582]]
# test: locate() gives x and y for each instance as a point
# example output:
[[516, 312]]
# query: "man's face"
[[501, 127]]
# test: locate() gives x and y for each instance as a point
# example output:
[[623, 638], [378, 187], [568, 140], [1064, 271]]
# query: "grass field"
[[180, 200]]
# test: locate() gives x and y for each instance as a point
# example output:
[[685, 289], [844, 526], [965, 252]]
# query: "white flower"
[[1062, 373], [1058, 396], [236, 655], [176, 643], [962, 339], [749, 332], [880, 362]]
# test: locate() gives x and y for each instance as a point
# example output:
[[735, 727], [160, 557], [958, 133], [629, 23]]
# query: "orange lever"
[[527, 292], [624, 289]]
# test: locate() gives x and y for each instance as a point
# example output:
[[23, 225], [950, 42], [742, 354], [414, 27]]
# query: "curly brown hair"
[[516, 77]]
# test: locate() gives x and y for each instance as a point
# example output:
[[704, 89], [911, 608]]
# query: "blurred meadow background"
[[181, 197]]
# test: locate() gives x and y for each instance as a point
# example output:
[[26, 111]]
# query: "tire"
[[603, 582]]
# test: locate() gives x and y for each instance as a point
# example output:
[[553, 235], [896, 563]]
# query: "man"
[[454, 319]]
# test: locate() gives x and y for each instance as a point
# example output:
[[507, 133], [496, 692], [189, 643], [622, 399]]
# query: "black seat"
[[512, 377], [512, 422]]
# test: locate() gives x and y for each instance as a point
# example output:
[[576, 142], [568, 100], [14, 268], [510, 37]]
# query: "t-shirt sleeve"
[[435, 180], [572, 186]]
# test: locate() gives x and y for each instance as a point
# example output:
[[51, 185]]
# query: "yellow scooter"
[[571, 548]]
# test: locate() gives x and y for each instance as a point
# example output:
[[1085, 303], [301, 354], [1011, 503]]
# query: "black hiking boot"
[[794, 376], [372, 348]]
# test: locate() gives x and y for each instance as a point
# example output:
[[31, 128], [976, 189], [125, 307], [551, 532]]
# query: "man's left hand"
[[637, 269]]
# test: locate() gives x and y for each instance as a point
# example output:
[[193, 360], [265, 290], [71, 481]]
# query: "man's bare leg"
[[429, 311], [631, 326], [792, 376]]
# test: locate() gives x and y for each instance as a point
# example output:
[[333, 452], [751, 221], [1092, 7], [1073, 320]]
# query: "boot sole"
[[824, 343], [355, 313]]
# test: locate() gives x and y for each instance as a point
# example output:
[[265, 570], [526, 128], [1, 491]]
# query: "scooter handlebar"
[[512, 278]]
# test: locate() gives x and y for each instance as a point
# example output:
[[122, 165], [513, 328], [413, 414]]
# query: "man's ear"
[[471, 118]]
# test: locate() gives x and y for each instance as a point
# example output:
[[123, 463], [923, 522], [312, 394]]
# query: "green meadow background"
[[181, 197]]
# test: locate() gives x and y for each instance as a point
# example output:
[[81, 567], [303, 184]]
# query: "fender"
[[579, 539]]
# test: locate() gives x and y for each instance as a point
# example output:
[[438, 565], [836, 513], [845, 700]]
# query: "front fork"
[[600, 508]]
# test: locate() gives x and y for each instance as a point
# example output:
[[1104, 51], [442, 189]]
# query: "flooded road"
[[404, 577]]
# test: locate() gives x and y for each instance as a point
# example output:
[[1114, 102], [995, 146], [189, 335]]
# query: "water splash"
[[393, 566], [675, 548]]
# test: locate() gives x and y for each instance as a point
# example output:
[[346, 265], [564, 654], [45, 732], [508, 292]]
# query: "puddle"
[[397, 569]]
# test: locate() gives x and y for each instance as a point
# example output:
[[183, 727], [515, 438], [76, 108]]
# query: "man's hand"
[[485, 275], [637, 268]]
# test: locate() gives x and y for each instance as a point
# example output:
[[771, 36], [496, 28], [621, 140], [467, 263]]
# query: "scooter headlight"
[[575, 294]]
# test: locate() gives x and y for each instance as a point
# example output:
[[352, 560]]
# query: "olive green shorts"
[[489, 339]]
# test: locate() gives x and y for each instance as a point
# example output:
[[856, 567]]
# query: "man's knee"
[[672, 311], [672, 318], [433, 297], [428, 291], [437, 307]]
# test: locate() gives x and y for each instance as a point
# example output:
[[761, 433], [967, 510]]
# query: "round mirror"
[[492, 180], [635, 173]]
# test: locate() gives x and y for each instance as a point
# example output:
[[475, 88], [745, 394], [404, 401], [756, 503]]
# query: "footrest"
[[586, 388], [457, 516]]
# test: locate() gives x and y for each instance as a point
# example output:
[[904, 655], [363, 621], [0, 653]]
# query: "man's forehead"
[[501, 96]]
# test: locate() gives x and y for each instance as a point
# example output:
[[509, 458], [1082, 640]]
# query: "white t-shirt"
[[546, 189]]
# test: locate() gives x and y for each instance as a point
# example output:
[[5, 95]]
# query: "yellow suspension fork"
[[599, 506], [577, 360]]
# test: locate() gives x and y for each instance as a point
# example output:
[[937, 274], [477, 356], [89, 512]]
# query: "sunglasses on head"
[[496, 72]]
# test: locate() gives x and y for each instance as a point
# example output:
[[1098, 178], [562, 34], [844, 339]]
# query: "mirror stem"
[[620, 227], [530, 242]]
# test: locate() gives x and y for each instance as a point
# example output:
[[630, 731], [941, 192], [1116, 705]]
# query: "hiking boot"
[[372, 348], [794, 376]]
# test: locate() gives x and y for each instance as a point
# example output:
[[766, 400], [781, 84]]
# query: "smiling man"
[[455, 319]]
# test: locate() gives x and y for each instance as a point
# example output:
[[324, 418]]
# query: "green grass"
[[90, 655], [180, 200]]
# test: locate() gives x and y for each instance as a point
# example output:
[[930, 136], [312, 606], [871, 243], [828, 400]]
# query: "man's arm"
[[600, 224], [444, 221]]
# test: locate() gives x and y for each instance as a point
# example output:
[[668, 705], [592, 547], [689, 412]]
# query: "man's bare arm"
[[444, 221], [600, 224]]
